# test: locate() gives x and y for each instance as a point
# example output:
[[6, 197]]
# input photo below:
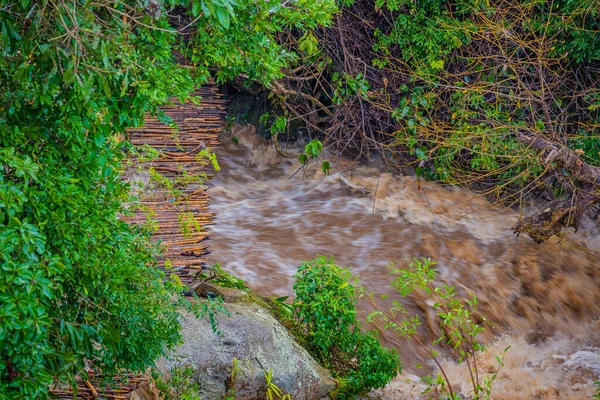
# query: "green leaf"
[[196, 7], [223, 16], [313, 149], [437, 64]]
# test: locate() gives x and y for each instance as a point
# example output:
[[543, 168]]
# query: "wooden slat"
[[198, 127]]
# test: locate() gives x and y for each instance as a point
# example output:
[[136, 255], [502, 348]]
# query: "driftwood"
[[568, 210]]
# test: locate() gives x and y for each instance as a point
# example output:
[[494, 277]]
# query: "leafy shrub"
[[459, 325], [325, 306], [180, 386]]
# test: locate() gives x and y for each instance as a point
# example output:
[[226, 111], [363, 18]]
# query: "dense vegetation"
[[77, 285], [500, 96], [325, 308]]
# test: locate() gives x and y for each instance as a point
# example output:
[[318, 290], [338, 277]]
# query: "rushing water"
[[542, 299]]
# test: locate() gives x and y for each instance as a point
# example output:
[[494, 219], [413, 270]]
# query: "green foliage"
[[455, 88], [278, 126], [78, 285], [181, 384], [211, 156], [241, 371], [464, 64], [273, 391], [457, 319], [308, 43], [187, 224], [424, 33], [346, 86], [312, 150], [325, 306], [246, 41], [220, 277]]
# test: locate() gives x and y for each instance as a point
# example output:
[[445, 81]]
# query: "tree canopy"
[[78, 285]]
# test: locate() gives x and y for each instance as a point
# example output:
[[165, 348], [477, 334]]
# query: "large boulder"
[[259, 343]]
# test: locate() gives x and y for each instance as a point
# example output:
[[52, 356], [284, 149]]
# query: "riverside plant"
[[456, 317], [180, 386], [325, 310]]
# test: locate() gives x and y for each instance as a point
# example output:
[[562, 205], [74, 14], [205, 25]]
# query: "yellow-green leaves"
[[308, 43], [313, 148], [437, 64]]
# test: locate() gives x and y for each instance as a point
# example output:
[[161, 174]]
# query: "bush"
[[325, 306], [78, 286], [460, 326]]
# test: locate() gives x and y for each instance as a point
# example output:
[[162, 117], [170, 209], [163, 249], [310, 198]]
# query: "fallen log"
[[566, 211]]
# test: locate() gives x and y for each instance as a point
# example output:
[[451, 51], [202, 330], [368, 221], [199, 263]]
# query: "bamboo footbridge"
[[181, 211], [198, 124]]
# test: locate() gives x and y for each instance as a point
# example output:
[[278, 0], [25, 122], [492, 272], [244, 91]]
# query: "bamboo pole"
[[198, 127]]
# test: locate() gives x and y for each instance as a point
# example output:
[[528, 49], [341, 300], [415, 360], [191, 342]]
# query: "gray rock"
[[259, 343]]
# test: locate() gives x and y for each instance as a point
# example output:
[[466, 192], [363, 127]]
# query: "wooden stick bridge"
[[180, 207], [176, 206]]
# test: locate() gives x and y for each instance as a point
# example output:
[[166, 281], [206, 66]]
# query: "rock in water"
[[259, 343]]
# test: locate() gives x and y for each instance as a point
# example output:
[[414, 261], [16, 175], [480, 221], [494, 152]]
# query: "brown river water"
[[542, 300]]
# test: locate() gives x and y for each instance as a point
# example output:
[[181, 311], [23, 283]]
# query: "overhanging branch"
[[568, 210]]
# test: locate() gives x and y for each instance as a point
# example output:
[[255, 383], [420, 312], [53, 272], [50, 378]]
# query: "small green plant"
[[273, 391], [229, 121], [240, 372], [180, 386], [278, 126], [184, 178], [175, 186], [309, 43], [459, 325], [206, 156], [346, 86], [205, 308], [151, 225], [325, 307], [285, 308], [188, 224], [312, 150], [144, 153], [220, 277], [235, 371], [158, 179]]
